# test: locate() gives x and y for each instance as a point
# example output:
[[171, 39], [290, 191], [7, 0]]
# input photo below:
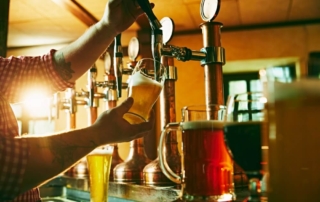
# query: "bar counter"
[[67, 189]]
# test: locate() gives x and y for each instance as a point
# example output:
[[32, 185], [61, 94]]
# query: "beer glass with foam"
[[144, 86], [99, 163], [206, 164]]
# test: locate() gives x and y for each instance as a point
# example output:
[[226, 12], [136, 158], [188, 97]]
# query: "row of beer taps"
[[137, 168]]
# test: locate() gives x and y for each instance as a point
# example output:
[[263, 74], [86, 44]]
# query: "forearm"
[[53, 154], [81, 54]]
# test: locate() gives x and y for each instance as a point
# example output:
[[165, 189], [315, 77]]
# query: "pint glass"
[[144, 86], [99, 163], [293, 111], [206, 164]]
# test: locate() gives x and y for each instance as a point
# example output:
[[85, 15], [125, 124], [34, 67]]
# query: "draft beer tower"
[[211, 56], [130, 171]]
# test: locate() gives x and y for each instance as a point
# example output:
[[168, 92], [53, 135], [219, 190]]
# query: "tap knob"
[[92, 76], [71, 99], [118, 65], [156, 44], [146, 7]]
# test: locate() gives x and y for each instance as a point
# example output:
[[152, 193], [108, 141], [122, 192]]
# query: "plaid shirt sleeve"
[[19, 75]]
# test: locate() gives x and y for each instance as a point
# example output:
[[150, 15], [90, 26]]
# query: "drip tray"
[[63, 194], [56, 199]]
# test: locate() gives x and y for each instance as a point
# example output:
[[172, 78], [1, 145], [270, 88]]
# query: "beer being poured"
[[145, 92]]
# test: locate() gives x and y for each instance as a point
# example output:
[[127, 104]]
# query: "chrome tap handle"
[[71, 100], [118, 65], [156, 37], [92, 76], [182, 53], [156, 42], [145, 6]]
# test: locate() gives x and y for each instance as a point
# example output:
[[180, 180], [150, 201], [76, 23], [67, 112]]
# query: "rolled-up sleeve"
[[19, 76]]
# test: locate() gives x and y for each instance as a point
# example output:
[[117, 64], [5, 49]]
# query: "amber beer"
[[294, 139], [208, 165], [145, 92], [99, 163]]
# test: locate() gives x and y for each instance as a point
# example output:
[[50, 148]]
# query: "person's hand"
[[120, 14], [113, 128]]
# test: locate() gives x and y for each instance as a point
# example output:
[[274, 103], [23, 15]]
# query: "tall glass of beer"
[[144, 86], [293, 113], [99, 163], [207, 167]]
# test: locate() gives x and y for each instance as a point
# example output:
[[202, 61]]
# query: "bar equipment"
[[152, 173], [131, 169], [111, 102], [118, 64], [211, 57], [90, 100], [145, 91], [207, 167], [69, 104], [243, 137]]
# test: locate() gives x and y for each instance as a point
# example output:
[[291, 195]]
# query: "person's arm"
[[80, 55], [51, 155]]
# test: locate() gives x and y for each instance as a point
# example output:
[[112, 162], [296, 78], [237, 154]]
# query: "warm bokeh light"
[[37, 103]]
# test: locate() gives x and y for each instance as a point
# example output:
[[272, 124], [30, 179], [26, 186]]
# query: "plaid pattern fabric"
[[18, 76]]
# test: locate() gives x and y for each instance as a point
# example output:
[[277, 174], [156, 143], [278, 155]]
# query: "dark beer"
[[244, 142]]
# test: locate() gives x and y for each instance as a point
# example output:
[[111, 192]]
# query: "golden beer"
[[99, 164], [145, 92], [293, 116]]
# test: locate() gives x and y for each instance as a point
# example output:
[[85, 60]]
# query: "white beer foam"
[[204, 124], [138, 79], [107, 149]]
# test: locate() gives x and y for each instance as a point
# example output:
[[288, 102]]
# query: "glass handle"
[[161, 150]]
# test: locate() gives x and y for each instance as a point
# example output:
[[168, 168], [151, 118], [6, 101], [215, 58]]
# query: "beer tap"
[[145, 6], [132, 168], [211, 57], [152, 173], [69, 104], [111, 102], [92, 101], [133, 50], [118, 66], [156, 33], [111, 91]]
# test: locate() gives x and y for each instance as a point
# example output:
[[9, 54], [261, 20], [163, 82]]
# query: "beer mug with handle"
[[207, 168]]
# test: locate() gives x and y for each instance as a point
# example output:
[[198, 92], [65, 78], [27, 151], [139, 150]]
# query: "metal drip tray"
[[66, 189], [56, 199]]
